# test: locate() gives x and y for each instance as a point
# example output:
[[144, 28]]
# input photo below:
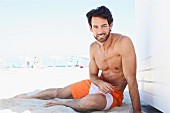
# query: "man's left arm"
[[129, 70]]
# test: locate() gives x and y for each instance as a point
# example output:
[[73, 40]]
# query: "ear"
[[111, 25], [90, 28]]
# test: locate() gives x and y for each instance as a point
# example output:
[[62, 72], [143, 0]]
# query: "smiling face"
[[100, 28]]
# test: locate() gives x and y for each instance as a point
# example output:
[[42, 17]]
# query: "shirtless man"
[[111, 53]]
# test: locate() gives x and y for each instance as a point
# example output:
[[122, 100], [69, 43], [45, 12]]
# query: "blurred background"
[[54, 33]]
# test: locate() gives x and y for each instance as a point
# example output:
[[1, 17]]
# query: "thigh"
[[65, 93], [80, 89], [94, 102]]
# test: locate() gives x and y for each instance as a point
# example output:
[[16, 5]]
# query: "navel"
[[116, 68]]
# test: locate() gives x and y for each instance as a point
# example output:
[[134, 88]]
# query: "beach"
[[31, 81], [16, 81]]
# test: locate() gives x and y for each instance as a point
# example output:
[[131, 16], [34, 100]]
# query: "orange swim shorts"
[[83, 88]]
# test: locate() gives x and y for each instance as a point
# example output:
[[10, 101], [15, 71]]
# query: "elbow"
[[131, 81], [92, 77]]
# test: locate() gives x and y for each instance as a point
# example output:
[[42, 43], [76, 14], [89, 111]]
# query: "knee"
[[95, 102], [57, 93]]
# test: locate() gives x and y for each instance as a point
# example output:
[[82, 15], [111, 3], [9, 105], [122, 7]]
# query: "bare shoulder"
[[120, 38], [126, 42], [127, 47], [93, 46]]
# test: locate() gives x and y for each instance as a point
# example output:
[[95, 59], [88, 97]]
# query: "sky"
[[56, 27]]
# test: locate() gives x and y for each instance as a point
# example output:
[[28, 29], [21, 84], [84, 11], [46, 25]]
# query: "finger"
[[50, 103], [109, 87], [47, 104], [106, 90], [112, 86]]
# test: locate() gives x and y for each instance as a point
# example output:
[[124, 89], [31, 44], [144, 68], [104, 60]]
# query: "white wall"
[[153, 52]]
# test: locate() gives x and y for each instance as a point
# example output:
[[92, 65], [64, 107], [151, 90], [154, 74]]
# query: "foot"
[[22, 96], [53, 103]]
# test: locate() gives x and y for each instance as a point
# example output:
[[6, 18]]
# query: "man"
[[111, 53]]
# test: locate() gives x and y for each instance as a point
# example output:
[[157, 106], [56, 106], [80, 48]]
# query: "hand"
[[53, 103], [106, 87]]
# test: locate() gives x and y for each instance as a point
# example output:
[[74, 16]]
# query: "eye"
[[95, 27], [104, 25]]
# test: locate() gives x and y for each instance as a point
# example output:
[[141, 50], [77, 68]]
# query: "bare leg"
[[50, 94], [89, 102]]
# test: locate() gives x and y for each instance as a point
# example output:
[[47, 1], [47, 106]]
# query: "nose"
[[99, 30]]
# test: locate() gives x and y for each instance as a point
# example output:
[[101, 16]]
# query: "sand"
[[31, 81], [38, 106]]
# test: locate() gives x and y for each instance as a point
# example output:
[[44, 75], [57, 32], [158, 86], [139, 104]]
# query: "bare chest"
[[108, 61]]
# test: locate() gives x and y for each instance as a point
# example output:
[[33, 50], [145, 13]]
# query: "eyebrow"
[[101, 25], [104, 25]]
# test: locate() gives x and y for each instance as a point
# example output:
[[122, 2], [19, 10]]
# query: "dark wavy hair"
[[102, 12]]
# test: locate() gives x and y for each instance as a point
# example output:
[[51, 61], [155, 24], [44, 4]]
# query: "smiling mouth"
[[101, 36]]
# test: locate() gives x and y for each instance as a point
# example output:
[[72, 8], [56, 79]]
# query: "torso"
[[110, 63]]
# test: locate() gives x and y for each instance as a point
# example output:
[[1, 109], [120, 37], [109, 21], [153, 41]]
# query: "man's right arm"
[[93, 68], [93, 71]]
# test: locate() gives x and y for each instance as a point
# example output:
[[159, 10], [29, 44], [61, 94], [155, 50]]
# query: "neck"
[[105, 45]]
